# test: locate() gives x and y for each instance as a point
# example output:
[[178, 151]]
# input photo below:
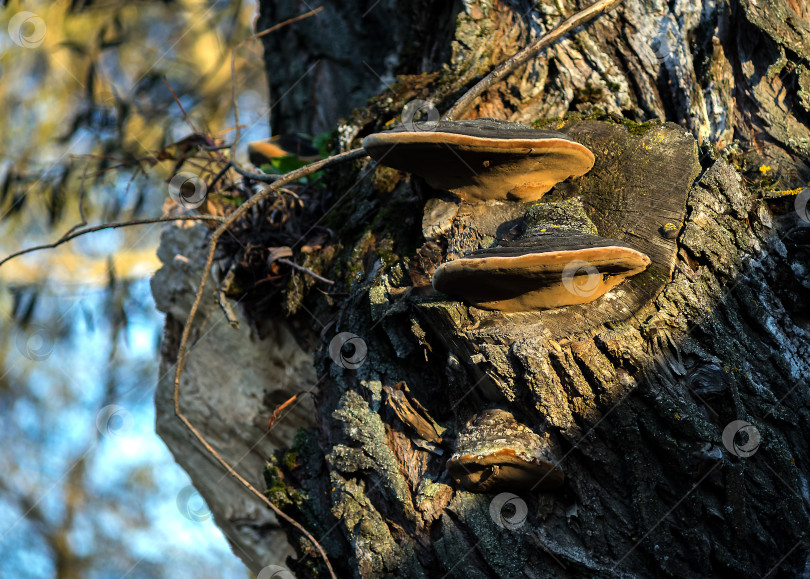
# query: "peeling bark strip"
[[680, 427]]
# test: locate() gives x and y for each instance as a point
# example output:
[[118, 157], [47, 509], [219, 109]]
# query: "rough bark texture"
[[635, 390]]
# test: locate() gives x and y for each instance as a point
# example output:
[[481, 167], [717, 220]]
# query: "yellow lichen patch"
[[764, 169], [785, 193]]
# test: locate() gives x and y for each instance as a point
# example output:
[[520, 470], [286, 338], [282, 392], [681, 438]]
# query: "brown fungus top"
[[544, 269], [482, 159], [558, 261]]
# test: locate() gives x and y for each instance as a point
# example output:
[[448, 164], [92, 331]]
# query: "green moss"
[[278, 491], [550, 123], [356, 262], [596, 114], [301, 438], [635, 128], [290, 460], [777, 67], [588, 94], [385, 180], [430, 489], [384, 251]]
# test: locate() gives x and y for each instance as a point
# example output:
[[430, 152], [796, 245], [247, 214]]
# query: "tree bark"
[[636, 390]]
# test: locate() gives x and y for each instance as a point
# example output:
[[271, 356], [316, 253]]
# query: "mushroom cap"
[[496, 452], [483, 159], [263, 152], [549, 268]]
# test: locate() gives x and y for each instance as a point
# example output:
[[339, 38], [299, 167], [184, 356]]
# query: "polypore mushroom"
[[496, 452], [557, 262], [482, 159], [263, 152]]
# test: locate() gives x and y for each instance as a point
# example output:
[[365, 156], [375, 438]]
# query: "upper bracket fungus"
[[483, 159]]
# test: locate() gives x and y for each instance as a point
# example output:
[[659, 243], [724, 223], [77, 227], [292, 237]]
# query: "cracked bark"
[[636, 389]]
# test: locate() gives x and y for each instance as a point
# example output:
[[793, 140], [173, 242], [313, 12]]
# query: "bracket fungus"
[[496, 452], [483, 159], [557, 262], [263, 152]]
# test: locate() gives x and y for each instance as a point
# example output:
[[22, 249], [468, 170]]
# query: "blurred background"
[[87, 489]]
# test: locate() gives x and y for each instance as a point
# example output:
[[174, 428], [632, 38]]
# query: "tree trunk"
[[640, 393]]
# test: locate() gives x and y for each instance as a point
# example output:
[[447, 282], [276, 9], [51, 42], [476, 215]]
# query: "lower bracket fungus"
[[557, 262], [483, 159], [496, 452]]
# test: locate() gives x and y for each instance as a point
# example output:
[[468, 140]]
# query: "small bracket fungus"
[[483, 159], [496, 452], [558, 262], [263, 152]]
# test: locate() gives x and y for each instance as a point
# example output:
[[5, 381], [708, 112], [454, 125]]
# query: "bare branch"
[[260, 177], [275, 27], [219, 175], [180, 106], [72, 234], [305, 270]]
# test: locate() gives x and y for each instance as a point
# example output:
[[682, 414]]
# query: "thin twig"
[[180, 106], [72, 234], [81, 205], [181, 351], [280, 408], [275, 27], [305, 270], [216, 148], [227, 310], [210, 148], [224, 304], [780, 194], [219, 175], [261, 177], [521, 57]]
